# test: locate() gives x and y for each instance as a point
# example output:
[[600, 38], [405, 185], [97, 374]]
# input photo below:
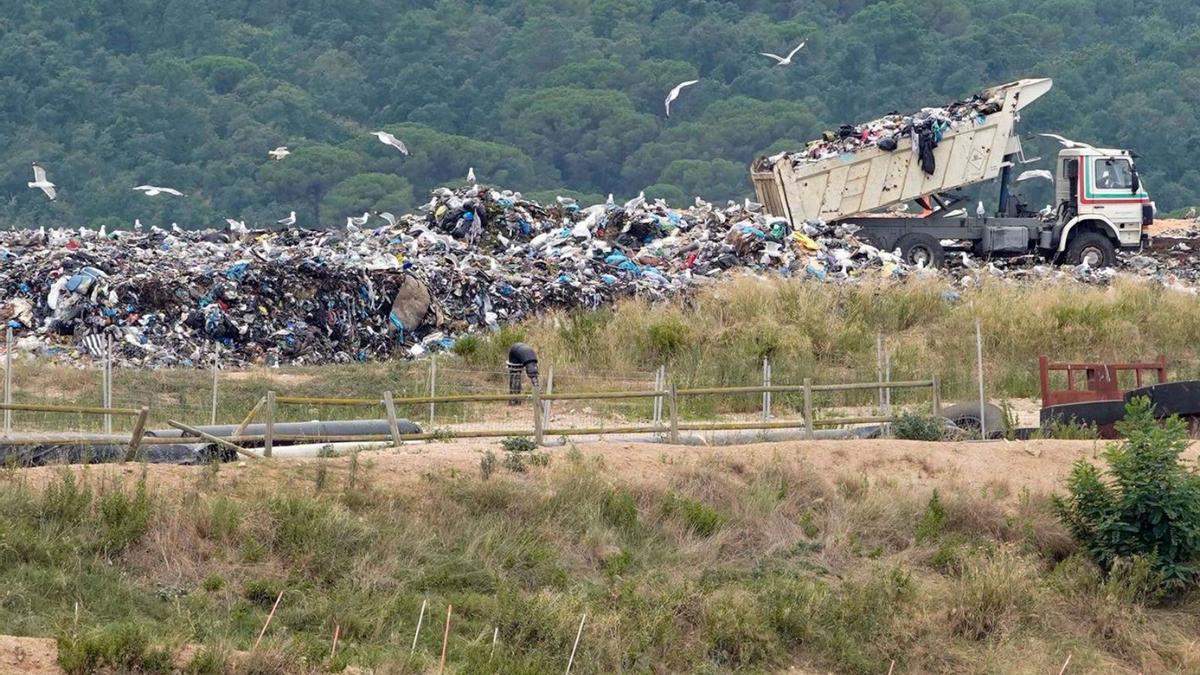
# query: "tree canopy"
[[538, 95]]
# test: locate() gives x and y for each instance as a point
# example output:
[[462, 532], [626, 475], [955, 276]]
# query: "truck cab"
[[1098, 191]]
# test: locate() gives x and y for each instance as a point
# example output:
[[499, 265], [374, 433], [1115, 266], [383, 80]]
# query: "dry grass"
[[795, 570]]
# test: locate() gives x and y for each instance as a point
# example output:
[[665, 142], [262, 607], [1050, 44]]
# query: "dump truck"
[[1101, 204]]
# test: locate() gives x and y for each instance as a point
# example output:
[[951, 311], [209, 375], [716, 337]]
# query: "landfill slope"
[[470, 260]]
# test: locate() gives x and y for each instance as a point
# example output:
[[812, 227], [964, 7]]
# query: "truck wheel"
[[1094, 248], [918, 248]]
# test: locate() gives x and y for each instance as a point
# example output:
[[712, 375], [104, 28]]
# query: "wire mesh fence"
[[215, 394]]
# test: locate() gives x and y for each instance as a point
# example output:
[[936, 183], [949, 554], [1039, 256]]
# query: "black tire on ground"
[[1102, 414], [965, 416], [1096, 248], [919, 248]]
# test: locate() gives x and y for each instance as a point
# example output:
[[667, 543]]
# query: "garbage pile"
[[926, 127], [470, 260]]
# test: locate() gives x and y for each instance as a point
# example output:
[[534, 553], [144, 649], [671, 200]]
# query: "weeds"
[[914, 427]]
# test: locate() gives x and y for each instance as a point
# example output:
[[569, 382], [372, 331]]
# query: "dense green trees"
[[537, 95]]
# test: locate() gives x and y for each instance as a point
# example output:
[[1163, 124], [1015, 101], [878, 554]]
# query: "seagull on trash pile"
[[388, 139], [471, 175], [967, 262], [1066, 142], [279, 153], [675, 93], [980, 211], [610, 202], [289, 221], [784, 61], [154, 191], [1191, 213], [39, 182], [1036, 173], [237, 226]]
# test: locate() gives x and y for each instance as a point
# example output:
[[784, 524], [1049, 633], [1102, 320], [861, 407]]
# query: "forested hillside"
[[543, 96]]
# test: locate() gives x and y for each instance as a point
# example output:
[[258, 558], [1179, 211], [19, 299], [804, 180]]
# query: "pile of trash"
[[926, 127], [470, 260]]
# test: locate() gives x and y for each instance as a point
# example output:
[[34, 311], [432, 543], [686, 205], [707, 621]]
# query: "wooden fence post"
[[216, 379], [673, 404], [537, 414], [241, 428], [139, 428], [808, 409], [393, 426], [269, 432], [432, 389]]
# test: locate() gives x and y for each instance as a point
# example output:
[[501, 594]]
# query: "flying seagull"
[[1066, 142], [279, 153], [39, 182], [675, 93], [471, 175], [154, 191], [289, 221], [388, 139], [1036, 173], [389, 217], [784, 61]]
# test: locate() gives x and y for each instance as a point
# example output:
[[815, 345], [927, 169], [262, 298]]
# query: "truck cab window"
[[1114, 174]]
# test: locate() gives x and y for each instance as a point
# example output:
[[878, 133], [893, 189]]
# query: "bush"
[[1146, 503], [121, 647], [487, 465], [518, 444], [1070, 430], [701, 519], [913, 427]]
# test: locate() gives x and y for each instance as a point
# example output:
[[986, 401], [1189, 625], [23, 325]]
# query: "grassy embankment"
[[823, 331], [718, 567]]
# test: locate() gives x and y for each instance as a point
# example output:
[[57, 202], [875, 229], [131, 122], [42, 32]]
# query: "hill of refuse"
[[470, 260]]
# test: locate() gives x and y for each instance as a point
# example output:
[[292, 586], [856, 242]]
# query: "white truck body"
[[1097, 190]]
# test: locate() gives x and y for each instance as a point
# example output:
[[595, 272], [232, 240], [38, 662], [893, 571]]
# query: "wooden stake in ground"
[[892, 667], [445, 640], [578, 634], [337, 629], [270, 616], [1065, 664], [420, 619], [495, 636]]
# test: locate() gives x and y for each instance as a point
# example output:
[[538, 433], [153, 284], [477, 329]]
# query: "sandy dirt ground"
[[1036, 466], [37, 656]]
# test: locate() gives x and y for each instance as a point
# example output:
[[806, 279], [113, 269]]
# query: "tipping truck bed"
[[871, 178]]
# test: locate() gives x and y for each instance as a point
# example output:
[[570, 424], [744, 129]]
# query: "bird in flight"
[[39, 182], [279, 153], [1036, 173], [1066, 142], [389, 217], [388, 139], [784, 60], [675, 93], [154, 191], [289, 221]]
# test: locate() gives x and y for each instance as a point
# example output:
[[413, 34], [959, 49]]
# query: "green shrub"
[[121, 647], [261, 592], [466, 346], [1070, 430], [514, 462], [487, 465], [619, 509], [700, 519], [913, 427], [518, 444], [65, 502], [213, 582], [207, 661], [1146, 503], [125, 518], [933, 520]]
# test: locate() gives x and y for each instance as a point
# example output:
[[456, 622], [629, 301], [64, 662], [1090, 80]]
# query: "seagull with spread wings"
[[39, 182], [675, 93], [154, 191], [784, 60]]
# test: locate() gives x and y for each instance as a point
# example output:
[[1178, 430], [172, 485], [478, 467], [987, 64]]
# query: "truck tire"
[[965, 416], [918, 248], [1095, 248]]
